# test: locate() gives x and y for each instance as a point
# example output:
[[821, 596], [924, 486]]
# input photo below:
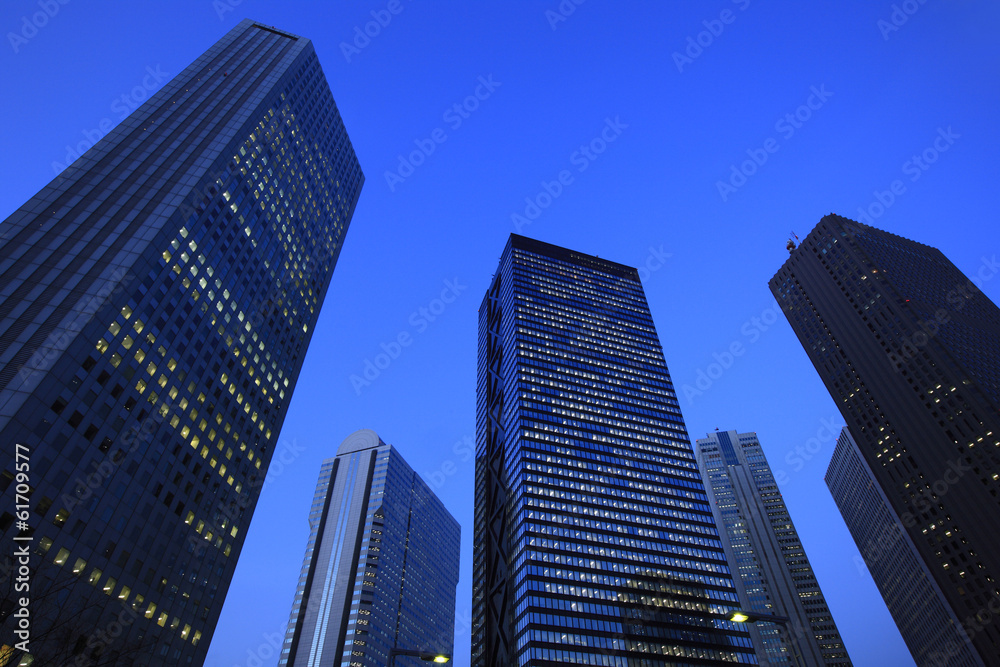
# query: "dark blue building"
[[156, 303], [381, 564], [932, 632], [594, 539]]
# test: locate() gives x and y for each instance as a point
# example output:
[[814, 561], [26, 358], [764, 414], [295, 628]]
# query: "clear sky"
[[650, 107]]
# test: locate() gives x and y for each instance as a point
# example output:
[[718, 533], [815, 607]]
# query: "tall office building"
[[594, 540], [773, 574], [381, 565], [156, 303], [909, 348], [932, 632]]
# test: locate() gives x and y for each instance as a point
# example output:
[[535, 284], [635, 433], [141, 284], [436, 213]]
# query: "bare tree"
[[88, 631]]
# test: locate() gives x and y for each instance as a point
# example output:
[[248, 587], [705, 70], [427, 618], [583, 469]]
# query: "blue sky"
[[687, 140]]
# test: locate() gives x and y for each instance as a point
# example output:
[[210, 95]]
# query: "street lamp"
[[740, 616], [428, 656]]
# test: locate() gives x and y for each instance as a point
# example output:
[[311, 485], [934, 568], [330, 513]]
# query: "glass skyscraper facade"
[[773, 573], [909, 349], [156, 303], [594, 540], [934, 636], [381, 565]]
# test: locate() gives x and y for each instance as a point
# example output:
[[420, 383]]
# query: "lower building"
[[763, 548], [381, 565], [930, 628]]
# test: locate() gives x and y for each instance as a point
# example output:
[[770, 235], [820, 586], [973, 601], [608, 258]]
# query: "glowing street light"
[[427, 656], [740, 616]]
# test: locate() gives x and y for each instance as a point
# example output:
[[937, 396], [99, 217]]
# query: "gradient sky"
[[881, 94]]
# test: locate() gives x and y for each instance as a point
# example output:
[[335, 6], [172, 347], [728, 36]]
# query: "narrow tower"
[[774, 574]]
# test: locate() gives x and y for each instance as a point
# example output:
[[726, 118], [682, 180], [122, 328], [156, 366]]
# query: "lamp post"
[[428, 656], [740, 616]]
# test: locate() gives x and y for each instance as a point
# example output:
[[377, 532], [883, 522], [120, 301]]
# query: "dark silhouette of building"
[[909, 349], [934, 635]]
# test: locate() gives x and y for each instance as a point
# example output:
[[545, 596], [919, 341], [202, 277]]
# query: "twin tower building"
[[156, 303]]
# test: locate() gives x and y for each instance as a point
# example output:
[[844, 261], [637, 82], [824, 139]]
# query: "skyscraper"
[[381, 565], [932, 632], [594, 540], [773, 574], [909, 349], [156, 305]]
